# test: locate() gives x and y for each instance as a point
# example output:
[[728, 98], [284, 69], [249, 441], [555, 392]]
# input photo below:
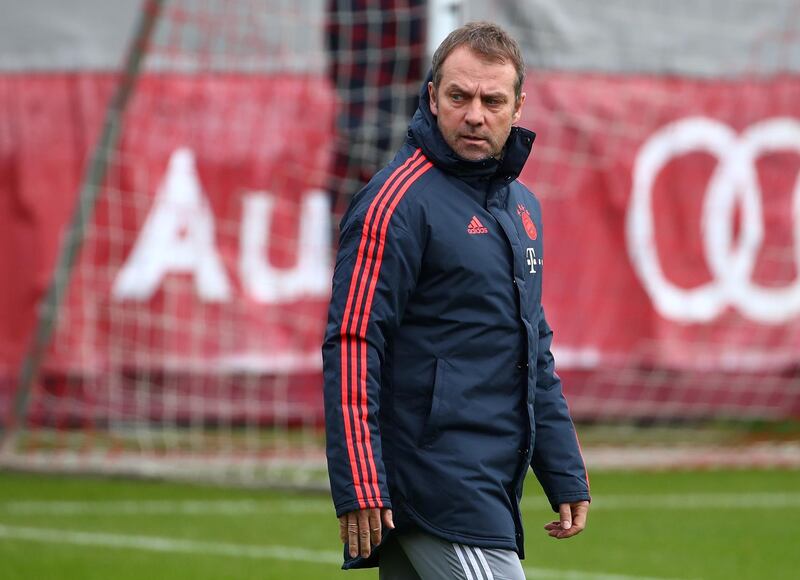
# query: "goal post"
[[95, 175]]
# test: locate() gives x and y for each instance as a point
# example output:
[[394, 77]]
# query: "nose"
[[474, 113]]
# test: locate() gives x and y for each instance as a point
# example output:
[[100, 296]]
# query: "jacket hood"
[[424, 131]]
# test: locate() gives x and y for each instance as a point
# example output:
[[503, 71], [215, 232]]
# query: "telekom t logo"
[[532, 259]]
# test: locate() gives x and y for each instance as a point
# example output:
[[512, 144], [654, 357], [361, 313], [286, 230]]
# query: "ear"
[[518, 109], [432, 99]]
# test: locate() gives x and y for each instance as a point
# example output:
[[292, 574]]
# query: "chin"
[[473, 155]]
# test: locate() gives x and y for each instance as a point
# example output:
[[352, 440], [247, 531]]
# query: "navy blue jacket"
[[440, 388]]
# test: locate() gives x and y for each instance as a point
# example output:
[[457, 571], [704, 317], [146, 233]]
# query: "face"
[[475, 104]]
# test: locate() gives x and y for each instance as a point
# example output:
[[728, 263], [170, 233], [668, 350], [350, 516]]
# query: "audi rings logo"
[[731, 257]]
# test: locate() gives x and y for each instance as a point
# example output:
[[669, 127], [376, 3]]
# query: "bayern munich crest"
[[530, 227]]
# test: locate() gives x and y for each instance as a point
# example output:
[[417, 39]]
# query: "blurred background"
[[172, 174]]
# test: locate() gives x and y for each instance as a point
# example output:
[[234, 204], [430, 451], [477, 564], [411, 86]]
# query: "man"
[[440, 388]]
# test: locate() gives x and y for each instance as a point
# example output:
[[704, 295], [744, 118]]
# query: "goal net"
[[668, 164], [182, 337], [187, 332]]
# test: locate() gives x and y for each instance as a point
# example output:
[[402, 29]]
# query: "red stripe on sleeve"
[[368, 307], [349, 363]]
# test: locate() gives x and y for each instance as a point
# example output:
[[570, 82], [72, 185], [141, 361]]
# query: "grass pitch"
[[678, 525]]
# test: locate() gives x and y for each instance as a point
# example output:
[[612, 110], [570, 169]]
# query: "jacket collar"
[[424, 131]]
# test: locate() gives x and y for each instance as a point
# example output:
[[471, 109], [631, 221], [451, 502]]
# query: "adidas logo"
[[476, 227]]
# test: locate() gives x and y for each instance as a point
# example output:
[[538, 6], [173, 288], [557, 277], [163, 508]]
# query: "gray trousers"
[[417, 555]]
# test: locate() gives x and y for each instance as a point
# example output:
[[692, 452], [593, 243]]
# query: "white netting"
[[188, 341], [189, 338], [667, 160]]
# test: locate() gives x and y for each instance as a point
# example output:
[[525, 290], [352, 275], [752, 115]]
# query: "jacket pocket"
[[431, 430]]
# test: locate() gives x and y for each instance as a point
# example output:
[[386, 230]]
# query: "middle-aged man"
[[440, 388]]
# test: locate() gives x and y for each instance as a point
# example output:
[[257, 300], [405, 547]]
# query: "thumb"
[[565, 514], [387, 519]]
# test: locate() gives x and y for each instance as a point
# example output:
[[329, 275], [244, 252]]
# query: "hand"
[[360, 528], [572, 520]]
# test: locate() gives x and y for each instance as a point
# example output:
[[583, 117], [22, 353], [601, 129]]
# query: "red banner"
[[210, 245], [672, 220], [671, 213]]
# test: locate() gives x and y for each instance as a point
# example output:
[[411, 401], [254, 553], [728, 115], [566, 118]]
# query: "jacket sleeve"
[[557, 460], [376, 270]]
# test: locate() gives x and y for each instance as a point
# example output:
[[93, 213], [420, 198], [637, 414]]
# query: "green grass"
[[689, 525]]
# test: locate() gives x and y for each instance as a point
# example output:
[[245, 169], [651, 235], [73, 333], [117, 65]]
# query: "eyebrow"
[[452, 86]]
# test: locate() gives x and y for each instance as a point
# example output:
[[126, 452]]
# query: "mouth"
[[472, 139]]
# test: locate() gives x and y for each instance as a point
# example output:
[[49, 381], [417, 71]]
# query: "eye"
[[456, 97]]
